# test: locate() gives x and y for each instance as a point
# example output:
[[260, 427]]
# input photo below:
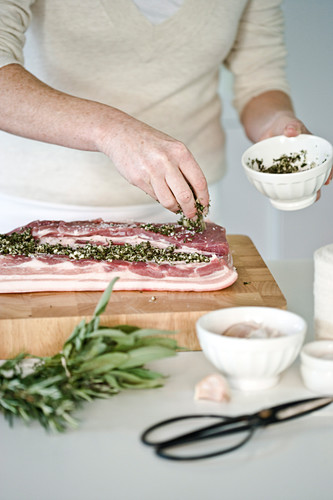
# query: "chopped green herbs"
[[285, 164], [165, 229], [95, 362], [197, 224], [24, 244], [21, 243]]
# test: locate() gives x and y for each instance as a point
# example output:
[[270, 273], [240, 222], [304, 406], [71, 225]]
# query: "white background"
[[242, 210]]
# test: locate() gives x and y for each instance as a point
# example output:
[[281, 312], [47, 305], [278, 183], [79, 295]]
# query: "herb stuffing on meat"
[[86, 255], [25, 244]]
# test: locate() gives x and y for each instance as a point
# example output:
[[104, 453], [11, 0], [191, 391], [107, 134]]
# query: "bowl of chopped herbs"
[[289, 170]]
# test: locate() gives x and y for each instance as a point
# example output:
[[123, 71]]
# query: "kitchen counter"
[[104, 459]]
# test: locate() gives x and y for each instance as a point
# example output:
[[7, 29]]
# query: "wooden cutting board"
[[39, 323]]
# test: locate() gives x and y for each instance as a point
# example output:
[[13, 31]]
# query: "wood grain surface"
[[39, 323]]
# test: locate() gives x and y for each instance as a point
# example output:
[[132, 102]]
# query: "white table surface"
[[104, 458]]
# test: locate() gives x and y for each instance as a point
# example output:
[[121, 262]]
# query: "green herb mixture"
[[197, 224], [285, 164], [24, 244]]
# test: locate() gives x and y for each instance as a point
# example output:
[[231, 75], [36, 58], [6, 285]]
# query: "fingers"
[[284, 124], [294, 127], [180, 197], [196, 179], [326, 183], [177, 190], [330, 177], [178, 181]]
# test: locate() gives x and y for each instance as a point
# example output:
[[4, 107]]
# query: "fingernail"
[[292, 127]]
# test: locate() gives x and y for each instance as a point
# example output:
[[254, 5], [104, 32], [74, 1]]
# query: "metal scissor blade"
[[299, 408]]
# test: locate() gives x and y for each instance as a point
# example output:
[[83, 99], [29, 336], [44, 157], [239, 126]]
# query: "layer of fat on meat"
[[36, 264], [72, 241], [66, 276]]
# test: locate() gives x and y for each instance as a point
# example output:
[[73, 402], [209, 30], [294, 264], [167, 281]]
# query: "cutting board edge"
[[46, 337]]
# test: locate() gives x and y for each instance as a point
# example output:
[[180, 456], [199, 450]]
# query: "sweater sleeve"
[[15, 17], [258, 56]]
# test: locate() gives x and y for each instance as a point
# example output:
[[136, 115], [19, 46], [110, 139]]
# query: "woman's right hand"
[[158, 164], [151, 160]]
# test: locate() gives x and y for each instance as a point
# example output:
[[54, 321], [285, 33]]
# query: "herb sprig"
[[95, 362]]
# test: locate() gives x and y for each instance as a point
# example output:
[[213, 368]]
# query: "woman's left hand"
[[289, 126], [270, 114], [284, 124]]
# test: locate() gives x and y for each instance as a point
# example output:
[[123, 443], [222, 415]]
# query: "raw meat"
[[251, 330], [207, 266]]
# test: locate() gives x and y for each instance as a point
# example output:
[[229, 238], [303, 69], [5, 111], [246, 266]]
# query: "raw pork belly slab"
[[144, 257]]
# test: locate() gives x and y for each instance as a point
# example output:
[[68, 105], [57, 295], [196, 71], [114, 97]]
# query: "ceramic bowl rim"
[[299, 176], [255, 343], [308, 356]]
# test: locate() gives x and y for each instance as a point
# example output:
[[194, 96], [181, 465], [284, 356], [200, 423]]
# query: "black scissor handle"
[[162, 451], [163, 423], [225, 427]]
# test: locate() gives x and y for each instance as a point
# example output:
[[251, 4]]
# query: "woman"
[[115, 112]]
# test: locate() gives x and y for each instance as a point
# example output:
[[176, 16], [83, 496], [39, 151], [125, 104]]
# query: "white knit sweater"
[[165, 75]]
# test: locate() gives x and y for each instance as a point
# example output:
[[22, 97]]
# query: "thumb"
[[292, 129], [295, 127]]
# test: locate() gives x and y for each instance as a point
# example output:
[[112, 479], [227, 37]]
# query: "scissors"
[[243, 426]]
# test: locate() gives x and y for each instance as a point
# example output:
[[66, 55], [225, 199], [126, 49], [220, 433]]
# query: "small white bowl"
[[317, 366], [251, 364], [296, 190]]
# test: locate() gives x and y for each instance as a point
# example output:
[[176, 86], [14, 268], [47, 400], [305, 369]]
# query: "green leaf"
[[145, 373], [145, 332], [120, 339], [126, 328], [142, 355], [162, 341], [73, 335], [92, 349], [103, 363], [133, 381], [107, 332], [103, 302]]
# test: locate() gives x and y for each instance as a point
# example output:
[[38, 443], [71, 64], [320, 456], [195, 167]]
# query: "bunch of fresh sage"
[[95, 362]]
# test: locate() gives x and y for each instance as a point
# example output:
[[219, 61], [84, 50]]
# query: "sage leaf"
[[104, 363], [142, 355], [104, 300]]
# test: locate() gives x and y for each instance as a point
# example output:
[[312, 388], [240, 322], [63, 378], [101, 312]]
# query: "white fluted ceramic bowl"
[[251, 364], [317, 366], [296, 190]]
